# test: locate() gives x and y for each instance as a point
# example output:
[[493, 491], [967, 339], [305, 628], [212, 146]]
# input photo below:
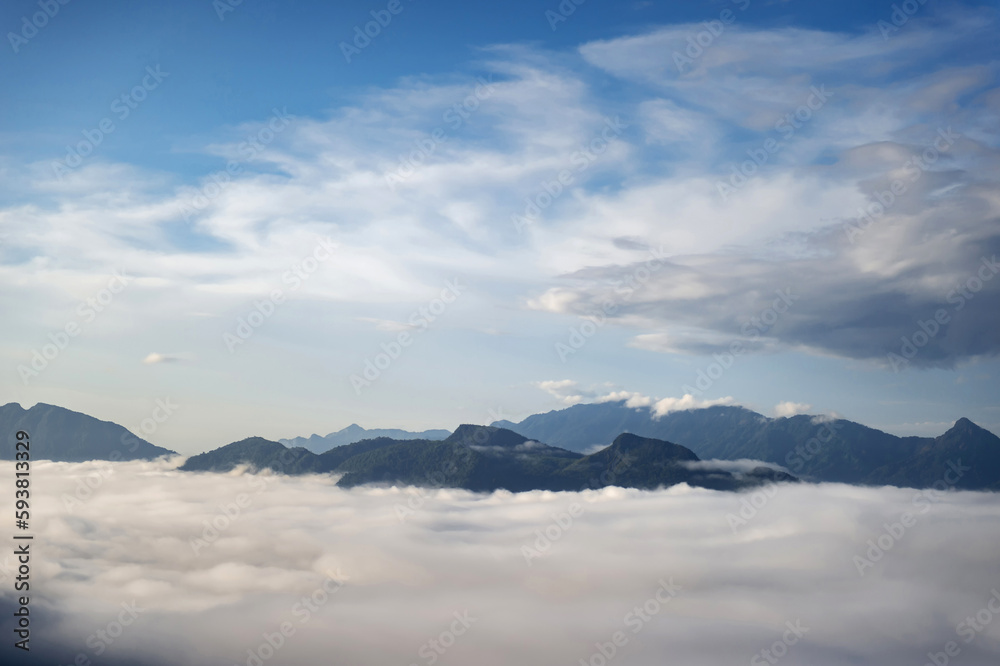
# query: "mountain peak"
[[12, 408], [629, 442], [258, 453], [480, 435], [61, 434], [964, 426], [255, 440], [468, 428]]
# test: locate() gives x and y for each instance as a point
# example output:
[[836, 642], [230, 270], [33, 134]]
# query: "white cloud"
[[155, 357], [569, 392], [459, 551], [739, 466], [566, 391], [656, 186], [789, 408], [687, 401], [387, 324], [631, 398]]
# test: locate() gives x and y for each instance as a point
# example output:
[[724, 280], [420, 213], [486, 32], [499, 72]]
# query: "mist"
[[140, 563]]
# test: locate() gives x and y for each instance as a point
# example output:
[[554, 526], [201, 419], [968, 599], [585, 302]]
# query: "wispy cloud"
[[569, 392], [156, 357], [656, 185]]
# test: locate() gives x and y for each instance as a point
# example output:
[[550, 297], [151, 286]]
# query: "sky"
[[282, 225], [233, 562]]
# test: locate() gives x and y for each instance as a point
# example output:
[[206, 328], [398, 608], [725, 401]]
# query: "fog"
[[407, 576]]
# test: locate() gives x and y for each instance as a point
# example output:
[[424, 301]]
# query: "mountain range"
[[811, 447], [566, 449], [485, 458], [62, 434], [355, 433]]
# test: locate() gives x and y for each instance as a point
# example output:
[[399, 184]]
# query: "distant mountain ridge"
[[485, 458], [62, 434], [547, 450], [812, 447], [355, 433]]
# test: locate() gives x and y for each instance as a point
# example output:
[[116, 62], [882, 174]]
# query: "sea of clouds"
[[138, 563]]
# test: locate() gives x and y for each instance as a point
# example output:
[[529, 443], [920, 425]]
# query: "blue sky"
[[538, 171]]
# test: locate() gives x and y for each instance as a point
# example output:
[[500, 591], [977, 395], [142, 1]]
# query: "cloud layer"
[[845, 232], [458, 179], [823, 213], [537, 577]]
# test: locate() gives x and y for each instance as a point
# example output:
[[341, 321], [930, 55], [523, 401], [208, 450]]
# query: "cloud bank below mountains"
[[405, 575]]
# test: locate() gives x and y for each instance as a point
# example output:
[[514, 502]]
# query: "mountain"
[[965, 457], [586, 426], [643, 462], [485, 458], [635, 450], [68, 436], [257, 453], [355, 433], [480, 458], [811, 447]]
